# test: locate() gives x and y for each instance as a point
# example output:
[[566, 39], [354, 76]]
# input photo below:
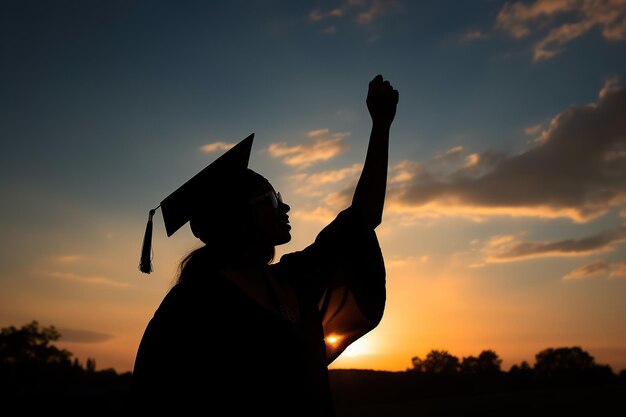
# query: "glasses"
[[274, 197]]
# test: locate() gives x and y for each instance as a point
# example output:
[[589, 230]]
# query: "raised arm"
[[369, 196]]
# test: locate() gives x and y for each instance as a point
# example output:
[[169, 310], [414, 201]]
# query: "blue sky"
[[504, 223]]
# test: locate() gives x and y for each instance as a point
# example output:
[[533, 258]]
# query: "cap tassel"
[[145, 263]]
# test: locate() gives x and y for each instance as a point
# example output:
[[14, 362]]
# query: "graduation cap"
[[178, 207]]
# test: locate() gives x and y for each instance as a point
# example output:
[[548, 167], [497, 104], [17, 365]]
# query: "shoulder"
[[193, 293]]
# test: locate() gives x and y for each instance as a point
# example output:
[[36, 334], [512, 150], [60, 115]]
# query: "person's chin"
[[283, 238]]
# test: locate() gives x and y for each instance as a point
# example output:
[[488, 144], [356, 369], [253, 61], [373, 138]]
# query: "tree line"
[[31, 366], [560, 363]]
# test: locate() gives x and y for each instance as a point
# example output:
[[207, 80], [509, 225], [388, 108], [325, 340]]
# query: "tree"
[[523, 368], [487, 362], [36, 376], [90, 367], [31, 344], [571, 365], [562, 361], [440, 362], [418, 364], [521, 375]]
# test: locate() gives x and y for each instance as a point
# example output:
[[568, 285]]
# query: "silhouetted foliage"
[[437, 362], [32, 369], [29, 359], [524, 367], [31, 344], [90, 366], [550, 362], [571, 364], [574, 384], [487, 363]]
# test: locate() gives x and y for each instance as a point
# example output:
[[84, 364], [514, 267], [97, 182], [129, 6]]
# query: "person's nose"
[[284, 207]]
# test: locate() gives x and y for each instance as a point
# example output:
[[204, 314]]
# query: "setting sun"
[[504, 224], [333, 339]]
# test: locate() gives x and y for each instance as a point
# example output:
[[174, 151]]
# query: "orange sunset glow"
[[504, 224]]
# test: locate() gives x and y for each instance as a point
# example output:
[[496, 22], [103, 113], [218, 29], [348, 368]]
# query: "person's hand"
[[382, 100]]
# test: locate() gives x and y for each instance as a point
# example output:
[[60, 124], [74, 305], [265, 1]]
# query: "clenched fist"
[[382, 100]]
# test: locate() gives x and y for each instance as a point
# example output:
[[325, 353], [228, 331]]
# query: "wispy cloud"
[[509, 248], [361, 12], [83, 336], [618, 270], [534, 129], [216, 146], [403, 171], [317, 15], [67, 258], [320, 214], [587, 271], [405, 261], [368, 11], [561, 21], [313, 184], [88, 279], [596, 269], [451, 155], [611, 86], [324, 146], [577, 171], [473, 35]]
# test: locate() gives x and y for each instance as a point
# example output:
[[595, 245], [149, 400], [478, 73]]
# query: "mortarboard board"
[[178, 207]]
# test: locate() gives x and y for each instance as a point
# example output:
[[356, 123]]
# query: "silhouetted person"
[[240, 334]]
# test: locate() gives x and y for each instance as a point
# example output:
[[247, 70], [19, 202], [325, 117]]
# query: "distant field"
[[594, 401], [575, 401], [364, 393]]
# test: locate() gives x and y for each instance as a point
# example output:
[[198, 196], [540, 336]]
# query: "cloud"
[[590, 270], [362, 12], [83, 336], [577, 171], [451, 155], [396, 261], [403, 171], [564, 21], [325, 146], [533, 130], [67, 258], [598, 268], [317, 15], [618, 270], [88, 279], [509, 248], [371, 10], [319, 214], [340, 200], [216, 146], [473, 35], [313, 184], [611, 86], [472, 160]]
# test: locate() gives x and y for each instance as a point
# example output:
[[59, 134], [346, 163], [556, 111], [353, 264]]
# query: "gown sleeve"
[[343, 274]]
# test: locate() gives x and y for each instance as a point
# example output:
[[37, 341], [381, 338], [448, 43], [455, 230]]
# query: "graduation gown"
[[211, 349]]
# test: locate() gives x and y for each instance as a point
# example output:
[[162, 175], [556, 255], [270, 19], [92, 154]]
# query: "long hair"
[[224, 225]]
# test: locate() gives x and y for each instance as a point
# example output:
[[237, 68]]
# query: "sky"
[[505, 218]]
